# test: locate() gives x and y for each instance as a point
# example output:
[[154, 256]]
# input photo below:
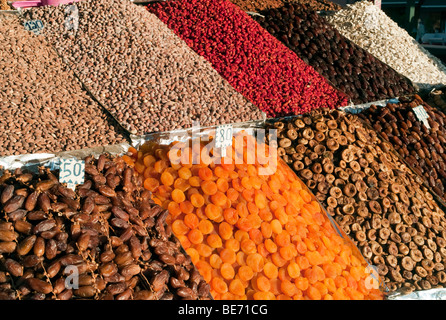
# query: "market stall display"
[[258, 5], [108, 233], [326, 182], [147, 77], [43, 105], [253, 61], [370, 28], [421, 143], [375, 198], [347, 66], [251, 227]]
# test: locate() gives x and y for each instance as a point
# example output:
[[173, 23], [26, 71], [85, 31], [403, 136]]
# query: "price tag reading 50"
[[223, 137], [72, 172]]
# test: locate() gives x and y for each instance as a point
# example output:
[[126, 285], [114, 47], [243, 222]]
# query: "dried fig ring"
[[416, 255], [406, 238], [334, 134], [321, 126], [372, 193], [377, 249], [432, 245], [384, 233], [311, 184], [369, 172], [281, 152], [376, 222], [299, 123], [362, 212], [394, 218], [320, 149], [386, 202], [355, 166], [342, 174], [392, 248], [308, 134], [416, 211], [328, 167], [395, 237], [347, 155], [367, 252], [361, 186], [348, 209], [391, 260], [433, 280], [404, 198], [395, 188], [428, 253], [316, 168], [300, 148], [375, 207], [407, 219], [323, 187], [342, 140], [360, 236], [332, 144], [329, 178], [362, 196], [441, 276], [428, 196], [403, 249], [342, 164], [441, 242], [332, 124], [285, 142], [332, 202], [382, 269], [292, 134], [306, 174], [319, 136], [421, 271], [298, 165], [426, 221], [350, 190], [396, 275], [336, 192]]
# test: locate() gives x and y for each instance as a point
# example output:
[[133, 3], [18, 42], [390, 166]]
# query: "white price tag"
[[72, 172], [34, 26], [422, 115], [223, 138]]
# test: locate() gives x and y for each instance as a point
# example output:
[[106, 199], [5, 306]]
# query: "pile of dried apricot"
[[251, 235]]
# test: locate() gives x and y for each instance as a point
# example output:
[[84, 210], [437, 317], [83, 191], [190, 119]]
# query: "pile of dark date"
[[105, 241], [347, 66]]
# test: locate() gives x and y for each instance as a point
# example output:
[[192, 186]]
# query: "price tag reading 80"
[[72, 172], [223, 137]]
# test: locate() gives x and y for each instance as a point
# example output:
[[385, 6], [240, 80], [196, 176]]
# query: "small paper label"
[[34, 26], [223, 138], [72, 172], [422, 115]]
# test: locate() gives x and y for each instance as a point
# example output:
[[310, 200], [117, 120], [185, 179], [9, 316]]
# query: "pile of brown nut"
[[43, 107], [371, 194], [144, 74], [107, 240], [421, 147]]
